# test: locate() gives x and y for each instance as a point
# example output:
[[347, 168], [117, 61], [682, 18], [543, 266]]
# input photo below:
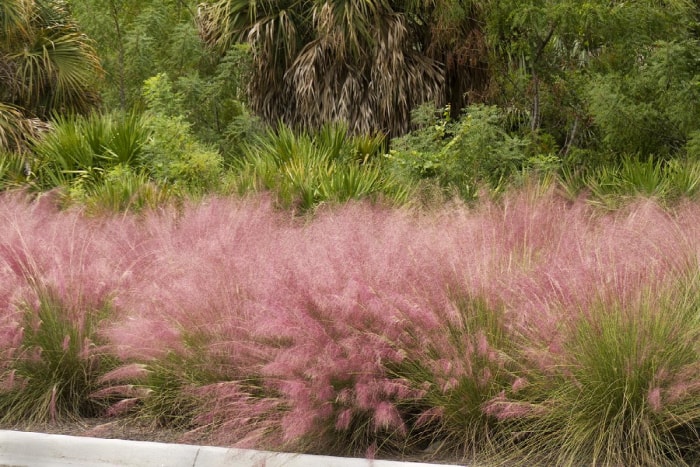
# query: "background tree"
[[545, 54], [140, 39], [358, 61], [46, 65]]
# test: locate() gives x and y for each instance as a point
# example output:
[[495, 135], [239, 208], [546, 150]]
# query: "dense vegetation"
[[462, 95], [493, 240]]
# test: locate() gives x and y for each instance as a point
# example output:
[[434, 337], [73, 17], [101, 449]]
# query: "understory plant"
[[13, 170], [464, 154], [80, 149], [306, 170], [616, 184]]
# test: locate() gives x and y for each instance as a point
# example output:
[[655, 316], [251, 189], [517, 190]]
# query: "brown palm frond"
[[16, 129], [372, 91], [317, 61], [14, 20]]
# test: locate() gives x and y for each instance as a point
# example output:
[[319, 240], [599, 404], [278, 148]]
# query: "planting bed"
[[528, 330]]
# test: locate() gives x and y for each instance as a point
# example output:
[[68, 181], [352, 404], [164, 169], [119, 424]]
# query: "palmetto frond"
[[46, 64], [14, 19], [12, 126], [16, 129]]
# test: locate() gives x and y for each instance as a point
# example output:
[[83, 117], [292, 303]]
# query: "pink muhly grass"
[[349, 323], [386, 417], [654, 399], [240, 414], [503, 409], [122, 391], [122, 407], [129, 372]]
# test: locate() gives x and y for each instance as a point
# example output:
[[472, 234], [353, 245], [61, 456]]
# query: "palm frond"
[[51, 66], [315, 62]]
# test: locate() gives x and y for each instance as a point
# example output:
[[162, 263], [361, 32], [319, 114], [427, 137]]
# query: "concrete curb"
[[26, 449]]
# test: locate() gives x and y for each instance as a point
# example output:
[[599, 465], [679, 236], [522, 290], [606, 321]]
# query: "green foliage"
[[80, 149], [136, 39], [215, 103], [13, 170], [174, 157], [614, 402], [306, 170], [612, 185], [464, 154], [46, 65], [653, 109], [122, 189], [172, 154], [57, 365], [139, 39], [169, 397], [545, 54]]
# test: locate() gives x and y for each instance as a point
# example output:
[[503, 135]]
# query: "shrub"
[[614, 185], [122, 189], [650, 111], [80, 149], [464, 154], [306, 170], [172, 155], [14, 170]]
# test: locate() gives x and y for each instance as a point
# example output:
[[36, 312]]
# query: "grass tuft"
[[57, 364]]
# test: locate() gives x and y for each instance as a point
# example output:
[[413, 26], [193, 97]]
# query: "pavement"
[[27, 449]]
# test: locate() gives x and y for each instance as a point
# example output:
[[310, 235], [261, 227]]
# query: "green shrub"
[[14, 170], [464, 154], [614, 184], [305, 170], [174, 157], [651, 110], [172, 154], [80, 149], [122, 189]]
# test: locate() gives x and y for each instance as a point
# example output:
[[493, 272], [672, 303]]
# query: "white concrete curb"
[[25, 449]]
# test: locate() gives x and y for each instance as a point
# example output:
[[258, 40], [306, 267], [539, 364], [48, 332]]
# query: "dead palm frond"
[[321, 61]]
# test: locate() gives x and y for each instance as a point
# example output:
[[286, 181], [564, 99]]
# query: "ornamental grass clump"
[[56, 363], [184, 333], [61, 273], [626, 386], [457, 369]]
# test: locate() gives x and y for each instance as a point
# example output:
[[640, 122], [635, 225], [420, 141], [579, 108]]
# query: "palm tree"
[[46, 66], [316, 61]]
